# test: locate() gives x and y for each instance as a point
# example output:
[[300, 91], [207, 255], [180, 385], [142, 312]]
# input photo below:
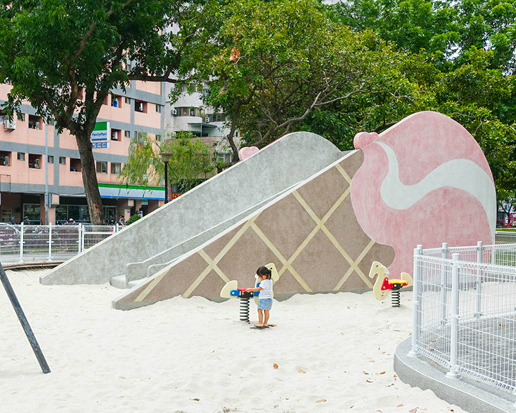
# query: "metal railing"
[[464, 314], [505, 237], [47, 243]]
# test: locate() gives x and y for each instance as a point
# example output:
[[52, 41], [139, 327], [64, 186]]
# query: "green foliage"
[[190, 161], [133, 218], [461, 57], [66, 57], [275, 64]]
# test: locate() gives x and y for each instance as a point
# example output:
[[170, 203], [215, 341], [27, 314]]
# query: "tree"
[[190, 161], [463, 55], [270, 64], [65, 57]]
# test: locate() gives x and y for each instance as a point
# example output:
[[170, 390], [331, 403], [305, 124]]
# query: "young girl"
[[265, 296]]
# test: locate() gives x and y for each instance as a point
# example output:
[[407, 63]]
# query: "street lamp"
[[165, 156]]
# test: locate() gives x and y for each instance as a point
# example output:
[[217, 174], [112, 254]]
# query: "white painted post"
[[480, 248], [416, 298], [444, 284], [50, 242], [22, 229], [454, 334], [80, 247]]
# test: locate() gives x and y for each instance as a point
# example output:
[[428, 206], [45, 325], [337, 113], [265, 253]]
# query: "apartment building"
[[189, 113], [40, 169]]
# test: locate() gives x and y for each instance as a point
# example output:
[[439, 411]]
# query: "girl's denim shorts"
[[265, 304]]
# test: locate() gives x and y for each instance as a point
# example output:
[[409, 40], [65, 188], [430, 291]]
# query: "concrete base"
[[470, 395]]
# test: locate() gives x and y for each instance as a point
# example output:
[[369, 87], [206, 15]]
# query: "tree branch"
[[92, 28]]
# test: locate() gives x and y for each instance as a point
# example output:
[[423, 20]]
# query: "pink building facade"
[[40, 169]]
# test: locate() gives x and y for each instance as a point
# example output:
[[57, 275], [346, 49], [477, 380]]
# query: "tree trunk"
[[89, 179], [231, 135]]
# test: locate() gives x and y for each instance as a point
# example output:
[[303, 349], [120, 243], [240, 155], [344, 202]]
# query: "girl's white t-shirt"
[[266, 291]]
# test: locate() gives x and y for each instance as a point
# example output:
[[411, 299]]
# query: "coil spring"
[[395, 298], [244, 309]]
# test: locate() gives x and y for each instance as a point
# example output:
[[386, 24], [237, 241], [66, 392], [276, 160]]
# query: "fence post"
[[480, 249], [444, 284], [454, 333], [50, 242], [416, 308], [79, 242], [22, 230]]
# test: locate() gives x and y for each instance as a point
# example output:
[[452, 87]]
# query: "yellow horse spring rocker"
[[385, 285]]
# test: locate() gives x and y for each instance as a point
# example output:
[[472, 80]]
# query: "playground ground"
[[327, 353]]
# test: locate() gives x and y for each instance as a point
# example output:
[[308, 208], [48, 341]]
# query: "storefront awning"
[[131, 192]]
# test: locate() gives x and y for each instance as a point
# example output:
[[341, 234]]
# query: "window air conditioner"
[[37, 125], [36, 163], [9, 124], [6, 160]]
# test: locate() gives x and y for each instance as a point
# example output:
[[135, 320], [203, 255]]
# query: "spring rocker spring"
[[244, 305]]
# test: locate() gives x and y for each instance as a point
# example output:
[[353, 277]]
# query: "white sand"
[[334, 353]]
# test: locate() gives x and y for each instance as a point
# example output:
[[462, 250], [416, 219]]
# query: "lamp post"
[[166, 156]]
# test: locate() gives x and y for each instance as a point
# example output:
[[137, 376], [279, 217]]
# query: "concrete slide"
[[201, 213]]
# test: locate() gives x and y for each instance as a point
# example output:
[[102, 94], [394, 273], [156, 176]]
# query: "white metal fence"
[[46, 243], [465, 311]]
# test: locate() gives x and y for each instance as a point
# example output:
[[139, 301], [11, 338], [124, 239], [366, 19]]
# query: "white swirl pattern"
[[458, 173]]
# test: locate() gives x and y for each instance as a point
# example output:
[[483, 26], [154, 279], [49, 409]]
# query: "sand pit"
[[333, 353]]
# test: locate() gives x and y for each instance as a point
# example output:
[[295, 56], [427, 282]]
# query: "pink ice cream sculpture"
[[424, 181]]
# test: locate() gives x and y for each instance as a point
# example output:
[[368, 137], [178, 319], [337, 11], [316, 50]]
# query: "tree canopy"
[[190, 161], [461, 55], [270, 64], [65, 57]]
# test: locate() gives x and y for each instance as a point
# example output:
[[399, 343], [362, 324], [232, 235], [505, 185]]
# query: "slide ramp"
[[219, 200]]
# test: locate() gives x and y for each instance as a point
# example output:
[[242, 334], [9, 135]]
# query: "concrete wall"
[[293, 158]]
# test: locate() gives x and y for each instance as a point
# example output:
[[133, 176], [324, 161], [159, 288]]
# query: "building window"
[[101, 167], [158, 138], [127, 100], [75, 165], [216, 117], [127, 133], [21, 156], [62, 160], [158, 108], [140, 106], [21, 116], [189, 111], [116, 168], [32, 214], [50, 159], [5, 158], [115, 134], [34, 122], [34, 161], [224, 156], [140, 136], [116, 101]]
